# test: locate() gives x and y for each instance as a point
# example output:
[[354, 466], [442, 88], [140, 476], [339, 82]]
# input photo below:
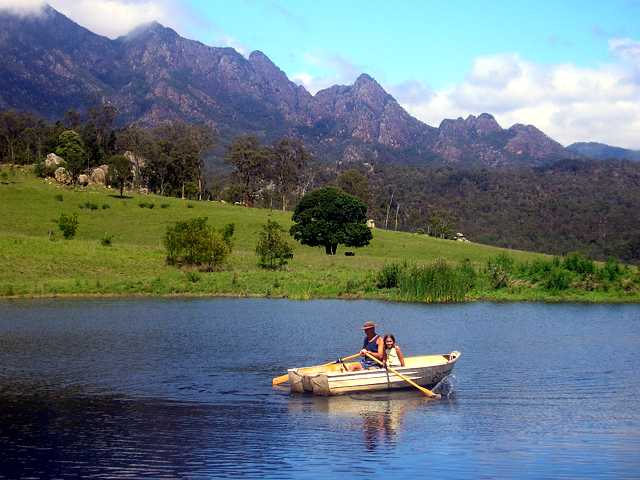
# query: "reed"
[[435, 282]]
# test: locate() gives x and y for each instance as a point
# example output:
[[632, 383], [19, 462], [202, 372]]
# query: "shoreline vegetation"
[[118, 251]]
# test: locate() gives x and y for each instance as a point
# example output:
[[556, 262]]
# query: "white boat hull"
[[426, 371]]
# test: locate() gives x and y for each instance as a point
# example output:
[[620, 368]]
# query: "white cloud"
[[224, 40], [113, 18], [625, 48], [22, 7], [569, 103], [335, 70]]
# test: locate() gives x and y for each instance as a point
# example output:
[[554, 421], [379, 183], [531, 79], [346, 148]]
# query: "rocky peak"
[[267, 69], [151, 32], [485, 124]]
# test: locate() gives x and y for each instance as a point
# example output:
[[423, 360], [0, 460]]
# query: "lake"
[[181, 388]]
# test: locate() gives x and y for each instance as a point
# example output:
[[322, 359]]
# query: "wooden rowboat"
[[425, 370]]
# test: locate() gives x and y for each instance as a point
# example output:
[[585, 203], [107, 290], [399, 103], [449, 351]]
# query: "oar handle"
[[426, 391]]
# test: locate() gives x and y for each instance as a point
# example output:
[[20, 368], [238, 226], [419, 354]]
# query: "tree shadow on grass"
[[124, 197]]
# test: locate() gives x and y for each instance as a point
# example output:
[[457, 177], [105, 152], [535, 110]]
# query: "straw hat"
[[367, 325]]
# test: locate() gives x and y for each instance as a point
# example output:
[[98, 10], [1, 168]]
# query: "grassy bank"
[[36, 261]]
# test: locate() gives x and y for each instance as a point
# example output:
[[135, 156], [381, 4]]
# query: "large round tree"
[[328, 217]]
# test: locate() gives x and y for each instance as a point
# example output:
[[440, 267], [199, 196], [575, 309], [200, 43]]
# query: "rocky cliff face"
[[51, 65]]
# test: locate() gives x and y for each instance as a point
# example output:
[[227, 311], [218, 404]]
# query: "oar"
[[426, 391], [285, 378]]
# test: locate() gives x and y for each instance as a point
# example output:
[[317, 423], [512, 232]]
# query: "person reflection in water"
[[393, 356], [372, 344]]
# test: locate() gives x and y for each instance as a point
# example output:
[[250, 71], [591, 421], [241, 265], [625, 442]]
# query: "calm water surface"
[[182, 389]]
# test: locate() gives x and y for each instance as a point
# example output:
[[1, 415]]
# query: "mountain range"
[[51, 65], [601, 151]]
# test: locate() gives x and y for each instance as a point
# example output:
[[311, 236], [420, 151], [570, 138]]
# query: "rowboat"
[[425, 370]]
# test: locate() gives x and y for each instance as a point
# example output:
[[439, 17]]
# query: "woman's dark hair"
[[389, 335]]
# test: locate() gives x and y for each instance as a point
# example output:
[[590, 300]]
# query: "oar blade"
[[280, 380]]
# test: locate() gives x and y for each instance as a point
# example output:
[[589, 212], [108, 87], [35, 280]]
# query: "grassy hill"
[[35, 260]]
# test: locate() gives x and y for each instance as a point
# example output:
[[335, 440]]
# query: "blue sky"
[[571, 68], [433, 42]]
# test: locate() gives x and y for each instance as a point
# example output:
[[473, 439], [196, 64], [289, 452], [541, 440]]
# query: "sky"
[[571, 68]]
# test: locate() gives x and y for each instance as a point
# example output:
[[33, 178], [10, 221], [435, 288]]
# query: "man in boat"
[[372, 344]]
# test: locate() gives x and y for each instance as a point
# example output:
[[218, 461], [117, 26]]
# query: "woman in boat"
[[393, 356], [371, 344]]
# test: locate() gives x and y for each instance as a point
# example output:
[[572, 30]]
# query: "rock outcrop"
[[62, 176], [100, 174], [53, 161]]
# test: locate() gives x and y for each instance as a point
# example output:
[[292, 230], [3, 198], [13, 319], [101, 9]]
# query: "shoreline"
[[189, 295]]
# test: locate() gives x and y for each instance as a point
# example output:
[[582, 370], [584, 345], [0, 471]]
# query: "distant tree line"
[[590, 206]]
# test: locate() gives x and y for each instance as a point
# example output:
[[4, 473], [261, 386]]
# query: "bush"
[[148, 205], [273, 250], [164, 205], [106, 240], [388, 276], [611, 271], [59, 197], [498, 269], [105, 206], [189, 205], [193, 277], [578, 263], [195, 243], [558, 279], [89, 206], [68, 224]]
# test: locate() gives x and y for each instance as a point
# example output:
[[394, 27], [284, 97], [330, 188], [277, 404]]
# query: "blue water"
[[182, 389]]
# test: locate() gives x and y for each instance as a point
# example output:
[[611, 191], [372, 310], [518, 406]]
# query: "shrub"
[[498, 270], [106, 240], [39, 169], [148, 205], [89, 206], [68, 224], [577, 262], [273, 250], [388, 276], [164, 205], [558, 279], [193, 277], [59, 197], [105, 206], [536, 270], [195, 243], [189, 205], [4, 177], [611, 270]]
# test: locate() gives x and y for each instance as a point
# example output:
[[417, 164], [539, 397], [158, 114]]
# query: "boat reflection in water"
[[380, 415]]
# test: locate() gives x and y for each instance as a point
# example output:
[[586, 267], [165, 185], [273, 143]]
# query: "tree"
[[120, 172], [71, 148], [179, 156], [440, 224], [289, 158], [273, 249], [328, 217], [195, 243], [354, 183], [250, 161]]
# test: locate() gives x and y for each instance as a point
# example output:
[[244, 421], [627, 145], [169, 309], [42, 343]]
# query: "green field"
[[35, 263]]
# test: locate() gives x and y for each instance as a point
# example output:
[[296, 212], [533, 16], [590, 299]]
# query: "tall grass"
[[435, 282]]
